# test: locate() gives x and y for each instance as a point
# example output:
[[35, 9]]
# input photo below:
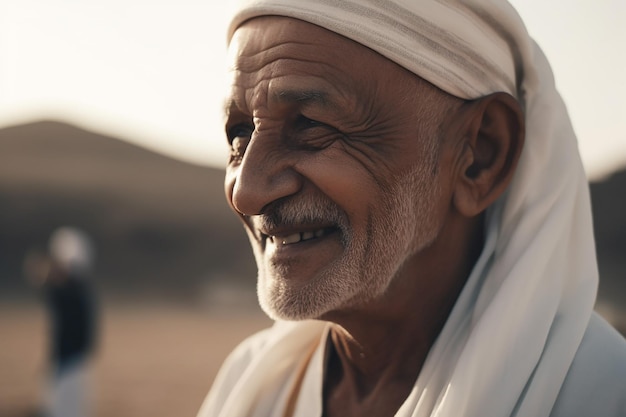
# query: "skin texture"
[[362, 188]]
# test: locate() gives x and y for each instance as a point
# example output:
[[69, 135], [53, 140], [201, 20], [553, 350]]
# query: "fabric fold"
[[529, 298]]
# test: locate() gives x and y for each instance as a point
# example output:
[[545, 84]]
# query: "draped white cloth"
[[507, 345]]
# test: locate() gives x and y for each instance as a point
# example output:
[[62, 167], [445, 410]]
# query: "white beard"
[[405, 224]]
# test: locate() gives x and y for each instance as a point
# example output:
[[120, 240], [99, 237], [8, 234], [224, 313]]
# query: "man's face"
[[334, 166]]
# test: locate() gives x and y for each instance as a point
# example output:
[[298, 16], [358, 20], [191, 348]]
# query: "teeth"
[[292, 238], [297, 237]]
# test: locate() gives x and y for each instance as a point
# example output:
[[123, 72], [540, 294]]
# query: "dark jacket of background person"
[[73, 317]]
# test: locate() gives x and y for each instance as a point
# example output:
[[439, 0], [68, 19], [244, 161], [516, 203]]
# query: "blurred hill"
[[161, 226]]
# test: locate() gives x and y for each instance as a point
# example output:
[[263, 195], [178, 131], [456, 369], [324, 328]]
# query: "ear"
[[493, 142]]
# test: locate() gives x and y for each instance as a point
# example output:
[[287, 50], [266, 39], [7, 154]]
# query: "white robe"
[[519, 336], [595, 384]]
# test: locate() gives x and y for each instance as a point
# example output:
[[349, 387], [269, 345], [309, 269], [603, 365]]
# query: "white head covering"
[[72, 249], [512, 335]]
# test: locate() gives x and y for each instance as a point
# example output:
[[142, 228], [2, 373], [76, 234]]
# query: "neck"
[[381, 346]]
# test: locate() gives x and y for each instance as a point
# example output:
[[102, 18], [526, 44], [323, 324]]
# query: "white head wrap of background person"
[[512, 335], [72, 249]]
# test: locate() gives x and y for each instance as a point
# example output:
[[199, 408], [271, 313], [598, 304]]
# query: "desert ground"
[[153, 360]]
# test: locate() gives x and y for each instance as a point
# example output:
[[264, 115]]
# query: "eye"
[[239, 131], [313, 135], [304, 123], [238, 138]]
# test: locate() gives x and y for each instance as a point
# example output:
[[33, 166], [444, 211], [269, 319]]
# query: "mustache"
[[305, 210]]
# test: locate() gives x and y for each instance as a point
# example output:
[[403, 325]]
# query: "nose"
[[266, 173]]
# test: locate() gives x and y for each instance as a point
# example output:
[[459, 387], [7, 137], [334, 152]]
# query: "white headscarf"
[[72, 249], [513, 333]]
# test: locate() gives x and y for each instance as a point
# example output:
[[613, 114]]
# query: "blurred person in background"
[[411, 186], [64, 274]]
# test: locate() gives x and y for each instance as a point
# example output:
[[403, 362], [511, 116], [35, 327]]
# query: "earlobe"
[[493, 140]]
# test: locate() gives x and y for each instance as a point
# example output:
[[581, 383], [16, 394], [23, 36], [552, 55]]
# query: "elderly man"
[[411, 187]]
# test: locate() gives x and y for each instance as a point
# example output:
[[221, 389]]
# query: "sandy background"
[[153, 360], [156, 360]]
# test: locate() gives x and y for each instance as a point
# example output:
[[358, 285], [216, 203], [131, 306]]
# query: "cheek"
[[343, 181]]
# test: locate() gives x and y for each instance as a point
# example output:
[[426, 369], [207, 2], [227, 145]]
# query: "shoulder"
[[260, 364], [231, 370], [596, 382], [243, 354]]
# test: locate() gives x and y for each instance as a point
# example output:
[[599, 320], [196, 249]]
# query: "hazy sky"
[[152, 71]]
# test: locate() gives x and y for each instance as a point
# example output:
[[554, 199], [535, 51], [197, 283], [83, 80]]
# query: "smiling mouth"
[[298, 237]]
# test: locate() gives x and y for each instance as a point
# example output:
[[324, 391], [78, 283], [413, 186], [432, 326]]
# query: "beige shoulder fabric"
[[508, 344]]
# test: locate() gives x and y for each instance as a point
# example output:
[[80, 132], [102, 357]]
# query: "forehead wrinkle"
[[305, 83], [252, 61], [320, 77]]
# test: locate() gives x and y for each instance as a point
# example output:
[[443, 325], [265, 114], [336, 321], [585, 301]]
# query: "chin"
[[331, 292], [282, 302]]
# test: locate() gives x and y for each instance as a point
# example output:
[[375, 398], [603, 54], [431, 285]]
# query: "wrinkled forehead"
[[286, 59], [274, 34], [269, 39], [465, 48]]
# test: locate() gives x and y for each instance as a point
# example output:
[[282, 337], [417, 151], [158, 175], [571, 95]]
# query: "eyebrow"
[[303, 97]]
